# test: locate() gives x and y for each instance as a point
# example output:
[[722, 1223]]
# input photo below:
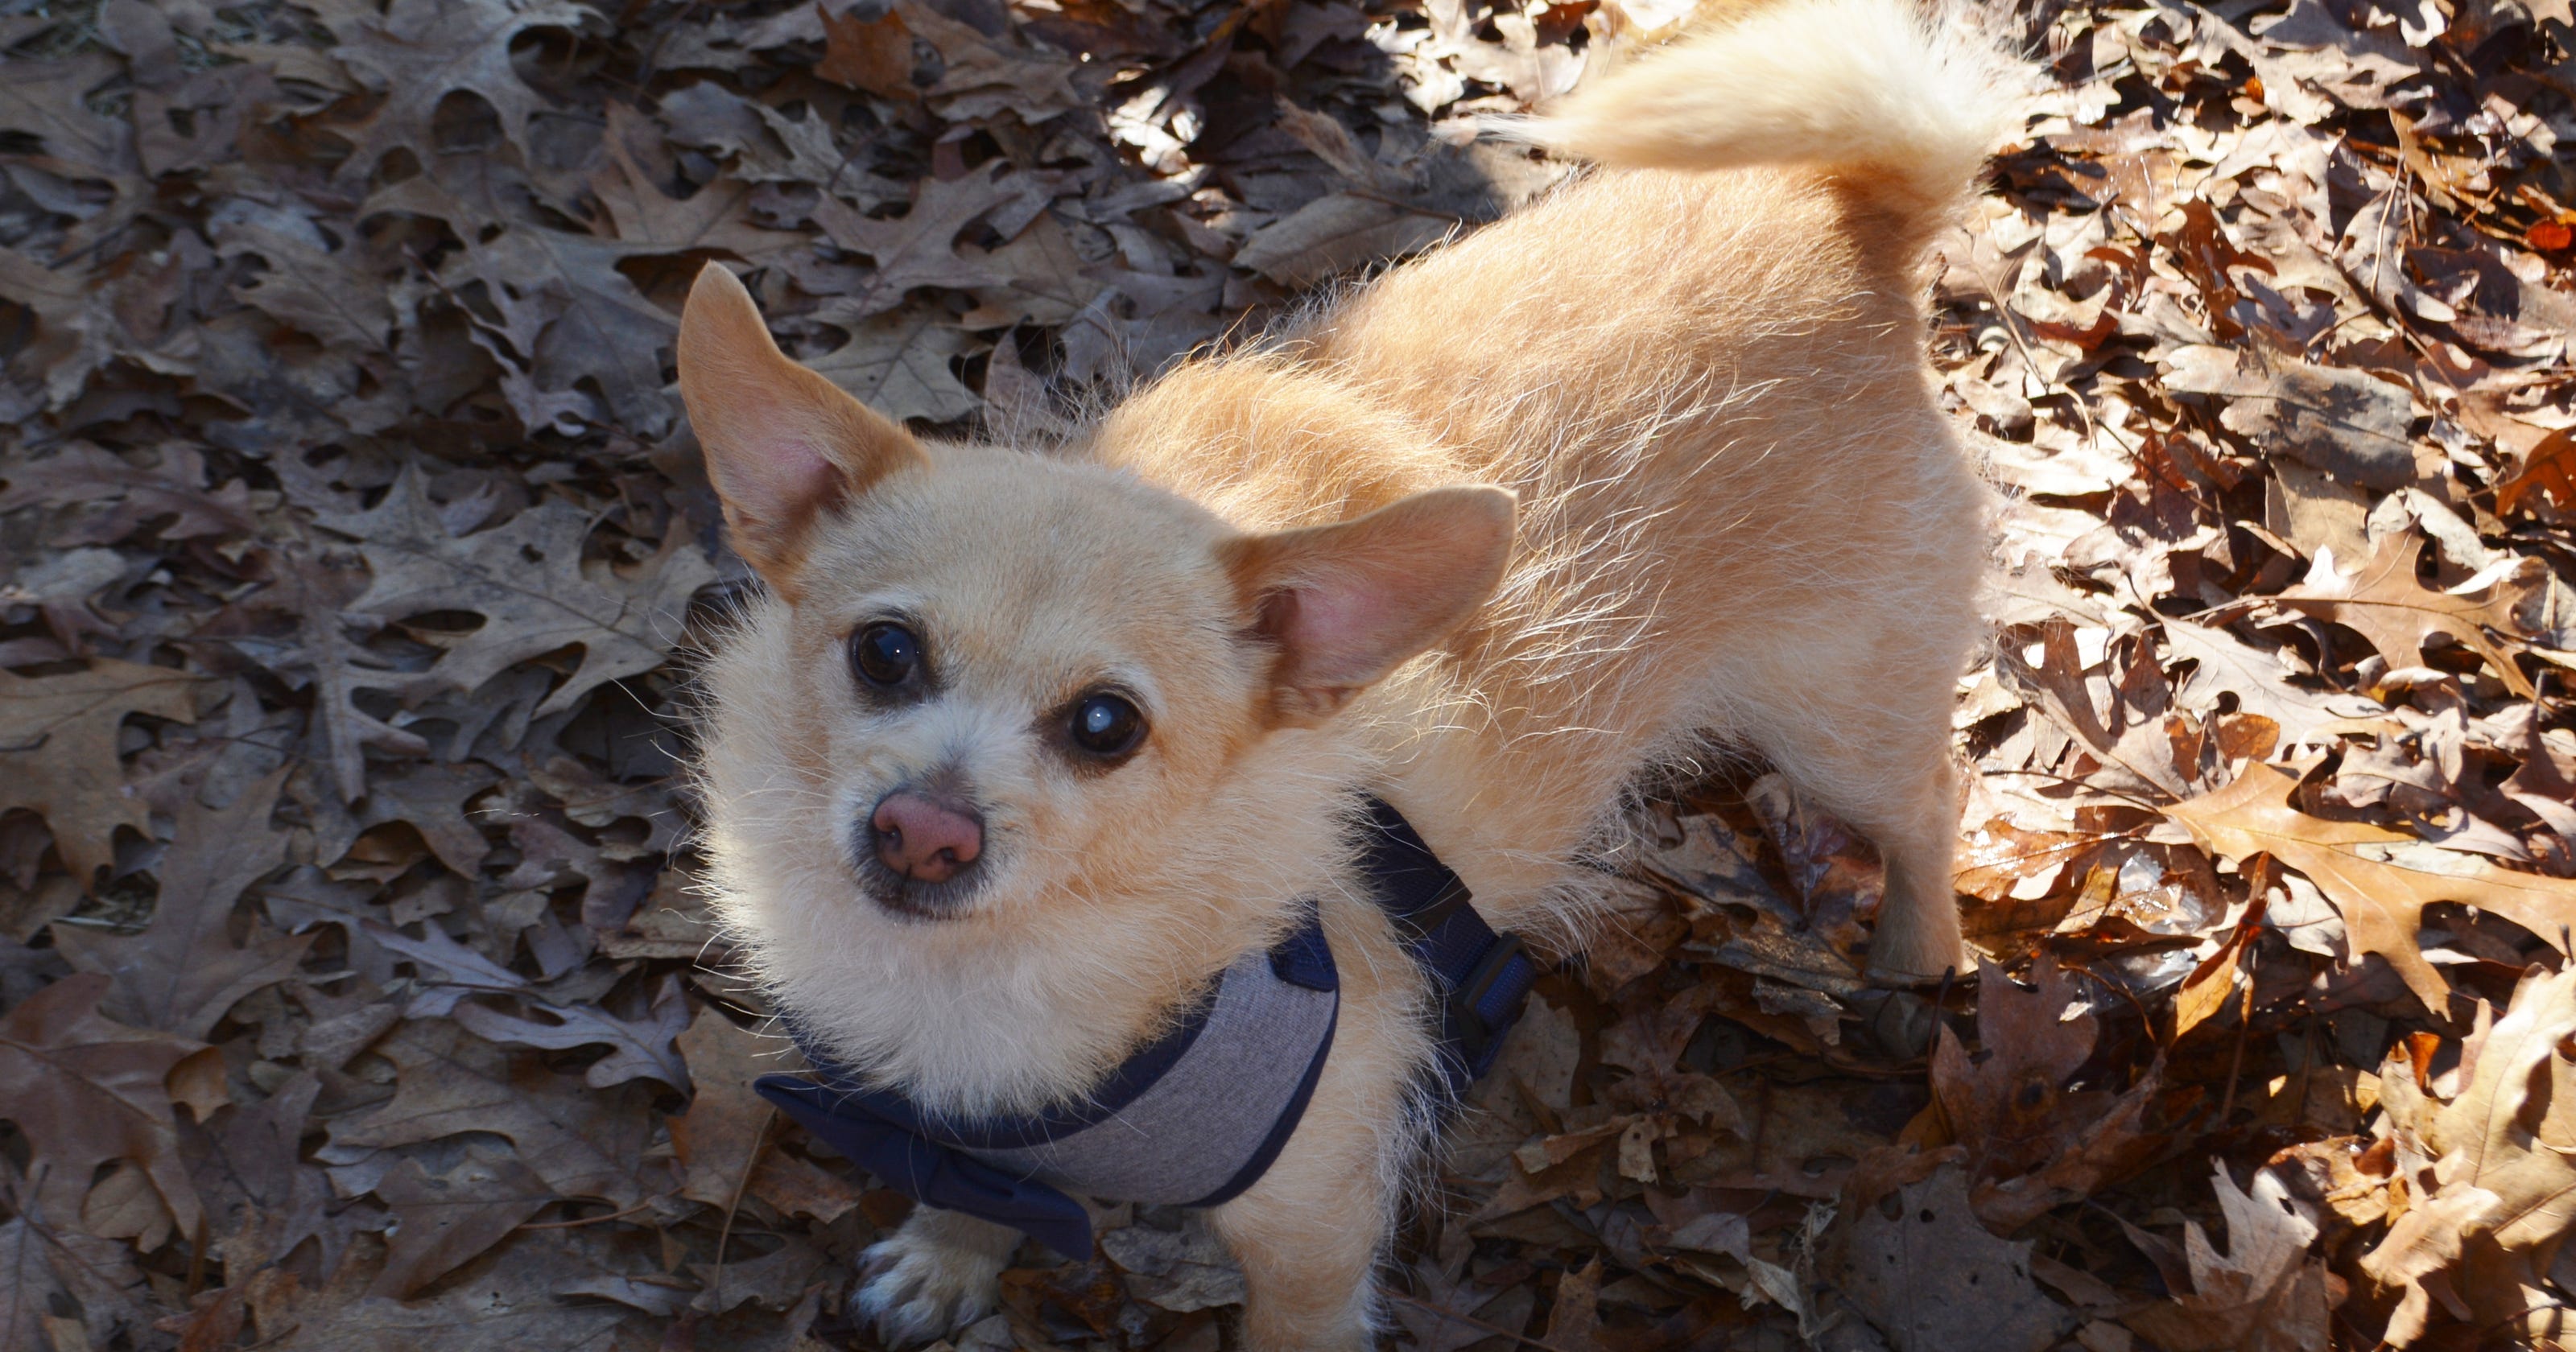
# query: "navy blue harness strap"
[[928, 1172], [1483, 978]]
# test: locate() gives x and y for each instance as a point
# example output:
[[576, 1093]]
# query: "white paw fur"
[[922, 1287]]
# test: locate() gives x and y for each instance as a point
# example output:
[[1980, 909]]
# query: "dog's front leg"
[[1310, 1233], [1308, 1236], [941, 1271]]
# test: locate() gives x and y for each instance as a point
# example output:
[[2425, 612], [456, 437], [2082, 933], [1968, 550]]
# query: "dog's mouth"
[[916, 898]]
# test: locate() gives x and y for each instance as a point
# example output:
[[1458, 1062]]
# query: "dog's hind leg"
[[1869, 740]]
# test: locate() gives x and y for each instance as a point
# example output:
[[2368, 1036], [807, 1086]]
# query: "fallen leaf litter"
[[351, 992]]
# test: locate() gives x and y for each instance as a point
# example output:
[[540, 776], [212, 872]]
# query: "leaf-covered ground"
[[352, 993]]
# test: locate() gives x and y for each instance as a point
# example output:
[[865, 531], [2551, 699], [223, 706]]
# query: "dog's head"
[[991, 681]]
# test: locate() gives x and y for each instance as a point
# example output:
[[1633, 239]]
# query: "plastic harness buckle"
[[1476, 1034]]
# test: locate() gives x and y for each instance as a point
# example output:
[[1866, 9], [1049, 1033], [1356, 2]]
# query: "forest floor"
[[353, 995]]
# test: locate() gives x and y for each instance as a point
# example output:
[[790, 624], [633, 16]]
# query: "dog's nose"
[[926, 838]]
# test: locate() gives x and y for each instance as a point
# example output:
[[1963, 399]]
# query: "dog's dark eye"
[[1106, 725], [885, 654]]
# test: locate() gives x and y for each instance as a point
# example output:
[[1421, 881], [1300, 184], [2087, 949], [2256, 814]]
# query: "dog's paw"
[[917, 1288]]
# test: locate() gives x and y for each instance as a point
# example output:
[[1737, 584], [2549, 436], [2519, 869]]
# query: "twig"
[[715, 1276], [578, 1222], [1471, 1321], [2131, 799], [2244, 1032], [197, 1258]]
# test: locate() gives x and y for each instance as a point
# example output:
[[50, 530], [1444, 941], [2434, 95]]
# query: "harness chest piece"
[[1197, 1116]]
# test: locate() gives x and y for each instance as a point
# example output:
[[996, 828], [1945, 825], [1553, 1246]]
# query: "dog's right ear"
[[783, 445]]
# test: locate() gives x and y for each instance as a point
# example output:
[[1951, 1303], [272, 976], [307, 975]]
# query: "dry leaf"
[[575, 1138], [421, 50], [2382, 897], [529, 582], [719, 1134], [2547, 471], [1924, 1269], [87, 1091], [871, 54], [2259, 680], [2033, 1143], [58, 752], [444, 1221], [902, 364], [278, 274], [43, 1263], [182, 974], [2385, 604], [2503, 1189], [2265, 1294]]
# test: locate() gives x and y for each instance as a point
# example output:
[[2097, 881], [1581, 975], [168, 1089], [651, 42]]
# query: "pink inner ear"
[[1336, 625], [781, 478]]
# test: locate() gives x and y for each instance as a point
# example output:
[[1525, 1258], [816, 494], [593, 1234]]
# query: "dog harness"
[[1198, 1115]]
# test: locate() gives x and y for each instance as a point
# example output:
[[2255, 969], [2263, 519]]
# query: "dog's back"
[[1701, 367]]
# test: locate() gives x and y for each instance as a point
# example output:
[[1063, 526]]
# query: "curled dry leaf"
[[2265, 1294], [2474, 1246], [2547, 473], [2034, 1142]]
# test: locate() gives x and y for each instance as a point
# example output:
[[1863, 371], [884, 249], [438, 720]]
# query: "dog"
[[1017, 751]]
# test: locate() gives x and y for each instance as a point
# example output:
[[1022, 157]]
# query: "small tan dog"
[[1021, 750]]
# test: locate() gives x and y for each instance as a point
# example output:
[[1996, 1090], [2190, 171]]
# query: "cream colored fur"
[[1742, 521]]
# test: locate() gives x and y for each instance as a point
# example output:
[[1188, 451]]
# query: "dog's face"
[[1000, 681], [1005, 669]]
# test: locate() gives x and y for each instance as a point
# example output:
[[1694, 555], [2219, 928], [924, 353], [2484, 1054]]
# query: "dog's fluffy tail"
[[1900, 100]]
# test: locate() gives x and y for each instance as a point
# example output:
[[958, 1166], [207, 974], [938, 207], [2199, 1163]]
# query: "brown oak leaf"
[[2547, 472], [2265, 1294], [583, 1142], [129, 496], [1927, 1272], [41, 1263], [717, 1136], [58, 751], [85, 1091], [2502, 1192], [529, 582], [919, 248], [2033, 1142], [183, 972], [420, 51], [2381, 896], [715, 218], [447, 1219], [2385, 604]]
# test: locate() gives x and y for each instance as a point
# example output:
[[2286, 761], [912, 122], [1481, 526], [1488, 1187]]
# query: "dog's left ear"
[[1346, 603], [783, 444]]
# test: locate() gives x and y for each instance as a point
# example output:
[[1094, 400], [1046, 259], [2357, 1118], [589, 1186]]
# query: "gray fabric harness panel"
[[1188, 1135]]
